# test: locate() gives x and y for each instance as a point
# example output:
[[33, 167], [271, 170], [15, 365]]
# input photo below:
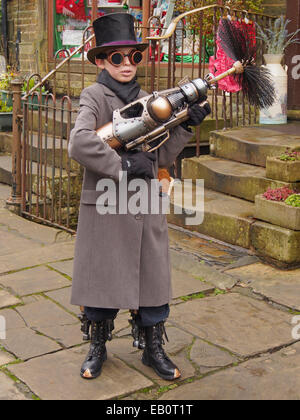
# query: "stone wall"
[[275, 7], [30, 17]]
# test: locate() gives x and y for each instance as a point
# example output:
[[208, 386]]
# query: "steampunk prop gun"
[[148, 119], [146, 123]]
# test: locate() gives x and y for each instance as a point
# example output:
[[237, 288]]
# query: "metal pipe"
[[16, 197], [4, 27]]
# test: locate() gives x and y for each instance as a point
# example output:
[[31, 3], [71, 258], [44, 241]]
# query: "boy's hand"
[[197, 113], [138, 163]]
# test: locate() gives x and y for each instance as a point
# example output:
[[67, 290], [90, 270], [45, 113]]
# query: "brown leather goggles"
[[116, 58]]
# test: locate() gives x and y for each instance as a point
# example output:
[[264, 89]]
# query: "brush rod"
[[222, 76]]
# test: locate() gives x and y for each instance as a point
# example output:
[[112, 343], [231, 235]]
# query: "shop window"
[[72, 17]]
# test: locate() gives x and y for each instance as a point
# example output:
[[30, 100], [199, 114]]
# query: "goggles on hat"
[[116, 58]]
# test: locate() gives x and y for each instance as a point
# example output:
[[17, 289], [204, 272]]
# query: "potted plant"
[[280, 206], [33, 101], [276, 39], [5, 81], [6, 117], [285, 167]]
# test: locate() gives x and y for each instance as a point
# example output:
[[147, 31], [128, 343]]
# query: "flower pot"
[[6, 121], [283, 170], [277, 213], [277, 113], [6, 96]]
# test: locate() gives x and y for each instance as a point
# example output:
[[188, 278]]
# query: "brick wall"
[[30, 17]]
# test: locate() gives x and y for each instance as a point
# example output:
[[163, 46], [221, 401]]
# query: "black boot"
[[155, 356], [100, 333], [137, 332]]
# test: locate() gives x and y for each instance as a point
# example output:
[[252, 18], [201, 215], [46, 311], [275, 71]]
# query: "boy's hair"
[[101, 56]]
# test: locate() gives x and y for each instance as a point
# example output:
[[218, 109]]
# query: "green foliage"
[[193, 20], [277, 37], [166, 388], [219, 292], [289, 156], [4, 107], [6, 78], [249, 5], [30, 84], [193, 296], [293, 200]]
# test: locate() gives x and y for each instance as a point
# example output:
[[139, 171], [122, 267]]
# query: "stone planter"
[[6, 96], [277, 213], [283, 170], [6, 121]]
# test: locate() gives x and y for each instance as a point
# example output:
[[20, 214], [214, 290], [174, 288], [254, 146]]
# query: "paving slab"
[[184, 284], [282, 287], [66, 384], [35, 280], [36, 232], [192, 265], [270, 377], [7, 299], [207, 249], [41, 255], [11, 242], [5, 358], [9, 390], [209, 357], [63, 297], [22, 341], [240, 324], [44, 314], [65, 267], [66, 335]]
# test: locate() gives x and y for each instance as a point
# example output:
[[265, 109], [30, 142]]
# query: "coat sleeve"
[[168, 152], [86, 147]]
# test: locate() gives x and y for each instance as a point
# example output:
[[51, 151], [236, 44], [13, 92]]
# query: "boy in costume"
[[121, 260]]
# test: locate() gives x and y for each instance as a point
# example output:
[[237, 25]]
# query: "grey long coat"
[[121, 260]]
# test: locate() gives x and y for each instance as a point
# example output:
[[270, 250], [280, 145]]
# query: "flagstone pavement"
[[233, 328]]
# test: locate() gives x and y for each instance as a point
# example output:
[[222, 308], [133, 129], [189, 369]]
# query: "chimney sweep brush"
[[256, 81]]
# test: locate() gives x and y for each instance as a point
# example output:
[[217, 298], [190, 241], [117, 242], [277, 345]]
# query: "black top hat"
[[114, 30]]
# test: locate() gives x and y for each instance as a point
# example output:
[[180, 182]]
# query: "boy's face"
[[125, 72]]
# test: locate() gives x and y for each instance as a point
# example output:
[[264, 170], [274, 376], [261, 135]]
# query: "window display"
[[72, 17]]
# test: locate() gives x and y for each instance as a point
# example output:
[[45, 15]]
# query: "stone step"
[[230, 220], [49, 186], [57, 124], [225, 218], [230, 177], [251, 145], [53, 149]]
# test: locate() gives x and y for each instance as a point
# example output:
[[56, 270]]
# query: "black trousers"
[[147, 316]]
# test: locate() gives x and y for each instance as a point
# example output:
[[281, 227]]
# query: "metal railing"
[[46, 183]]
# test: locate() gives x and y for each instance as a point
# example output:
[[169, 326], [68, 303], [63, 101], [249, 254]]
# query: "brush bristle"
[[256, 81]]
